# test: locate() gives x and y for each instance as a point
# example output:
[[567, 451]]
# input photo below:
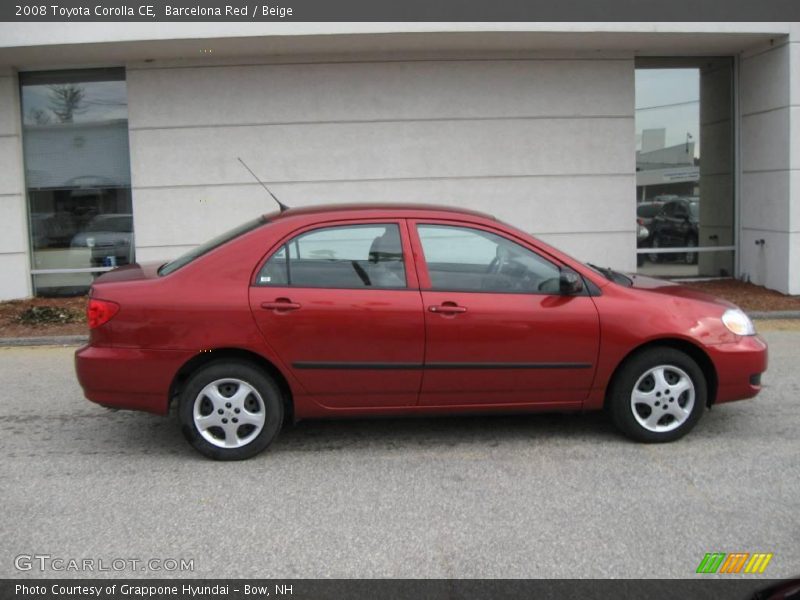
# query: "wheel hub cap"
[[229, 413], [663, 398]]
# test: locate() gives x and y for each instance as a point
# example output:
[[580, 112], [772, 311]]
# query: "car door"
[[340, 305], [497, 329]]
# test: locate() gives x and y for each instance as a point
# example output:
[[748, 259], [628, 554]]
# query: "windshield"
[[647, 211], [218, 241]]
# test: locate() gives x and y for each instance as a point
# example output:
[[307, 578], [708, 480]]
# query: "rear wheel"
[[658, 395], [230, 410]]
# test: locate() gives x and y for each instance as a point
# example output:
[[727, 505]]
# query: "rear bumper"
[[128, 378], [739, 367]]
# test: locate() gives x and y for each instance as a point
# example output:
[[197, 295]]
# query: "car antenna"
[[264, 185]]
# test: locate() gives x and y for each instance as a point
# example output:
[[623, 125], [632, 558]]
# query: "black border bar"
[[733, 588], [403, 10]]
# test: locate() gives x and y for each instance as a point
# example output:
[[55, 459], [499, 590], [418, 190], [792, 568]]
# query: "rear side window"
[[210, 245], [348, 256]]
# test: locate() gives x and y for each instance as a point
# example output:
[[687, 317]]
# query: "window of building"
[[350, 256], [466, 259], [77, 173], [684, 167]]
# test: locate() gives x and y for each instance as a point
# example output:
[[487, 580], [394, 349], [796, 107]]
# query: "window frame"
[[422, 263], [412, 282]]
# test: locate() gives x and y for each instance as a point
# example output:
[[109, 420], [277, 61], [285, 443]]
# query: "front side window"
[[349, 256], [466, 259]]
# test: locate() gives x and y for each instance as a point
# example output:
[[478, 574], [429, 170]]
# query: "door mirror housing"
[[569, 283]]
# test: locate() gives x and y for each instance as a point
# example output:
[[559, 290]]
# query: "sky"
[[677, 93]]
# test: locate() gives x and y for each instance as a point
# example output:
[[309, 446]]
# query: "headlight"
[[737, 322]]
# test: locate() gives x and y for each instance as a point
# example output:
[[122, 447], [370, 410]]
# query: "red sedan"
[[404, 310]]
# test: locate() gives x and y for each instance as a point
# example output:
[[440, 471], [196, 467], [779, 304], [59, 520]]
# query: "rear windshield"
[[218, 241]]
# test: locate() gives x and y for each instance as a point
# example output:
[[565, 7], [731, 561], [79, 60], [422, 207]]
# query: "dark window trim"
[[365, 288], [62, 76]]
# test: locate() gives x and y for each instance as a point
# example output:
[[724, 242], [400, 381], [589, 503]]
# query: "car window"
[[467, 259], [210, 245], [349, 256]]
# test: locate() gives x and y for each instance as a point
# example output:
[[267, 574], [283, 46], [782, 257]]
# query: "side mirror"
[[569, 283]]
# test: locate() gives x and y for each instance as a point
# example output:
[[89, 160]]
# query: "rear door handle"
[[280, 304], [447, 309]]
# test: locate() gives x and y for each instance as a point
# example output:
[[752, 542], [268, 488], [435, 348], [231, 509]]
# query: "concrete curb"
[[45, 340], [774, 314]]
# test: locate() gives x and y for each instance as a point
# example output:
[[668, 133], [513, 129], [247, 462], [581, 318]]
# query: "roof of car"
[[381, 206]]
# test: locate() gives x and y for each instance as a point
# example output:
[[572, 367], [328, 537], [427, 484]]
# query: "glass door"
[[77, 172], [684, 167]]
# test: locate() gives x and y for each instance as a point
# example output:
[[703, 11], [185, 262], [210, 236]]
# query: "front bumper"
[[739, 367], [128, 378]]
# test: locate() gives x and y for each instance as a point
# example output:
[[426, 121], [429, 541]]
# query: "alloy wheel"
[[229, 413], [663, 398]]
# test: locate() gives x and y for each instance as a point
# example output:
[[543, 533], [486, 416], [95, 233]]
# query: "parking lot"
[[557, 496]]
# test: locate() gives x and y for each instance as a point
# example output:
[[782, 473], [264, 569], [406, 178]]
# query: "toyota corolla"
[[359, 310]]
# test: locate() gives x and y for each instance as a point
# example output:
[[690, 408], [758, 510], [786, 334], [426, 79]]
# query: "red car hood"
[[661, 286]]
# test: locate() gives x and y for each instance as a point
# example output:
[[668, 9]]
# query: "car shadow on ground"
[[442, 432], [134, 433]]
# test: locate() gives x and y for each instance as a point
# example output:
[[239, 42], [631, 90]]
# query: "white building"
[[534, 122]]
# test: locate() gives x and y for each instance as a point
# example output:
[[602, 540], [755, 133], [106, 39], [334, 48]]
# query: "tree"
[[38, 116], [66, 101]]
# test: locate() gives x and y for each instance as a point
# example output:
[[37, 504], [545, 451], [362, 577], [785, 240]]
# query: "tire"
[[638, 390], [230, 410]]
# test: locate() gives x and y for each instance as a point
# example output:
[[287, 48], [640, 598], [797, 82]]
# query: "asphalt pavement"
[[557, 496]]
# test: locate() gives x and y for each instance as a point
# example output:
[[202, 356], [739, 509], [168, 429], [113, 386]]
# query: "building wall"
[[770, 165], [545, 143], [14, 261]]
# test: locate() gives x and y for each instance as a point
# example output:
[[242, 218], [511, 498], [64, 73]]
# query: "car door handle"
[[280, 304], [447, 309]]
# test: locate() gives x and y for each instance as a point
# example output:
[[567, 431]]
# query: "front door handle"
[[280, 304], [447, 309]]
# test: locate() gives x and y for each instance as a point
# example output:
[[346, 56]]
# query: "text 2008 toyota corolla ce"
[[360, 310]]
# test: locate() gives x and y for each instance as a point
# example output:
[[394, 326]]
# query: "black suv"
[[676, 226]]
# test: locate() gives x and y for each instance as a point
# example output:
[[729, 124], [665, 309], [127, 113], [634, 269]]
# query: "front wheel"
[[658, 396], [230, 410]]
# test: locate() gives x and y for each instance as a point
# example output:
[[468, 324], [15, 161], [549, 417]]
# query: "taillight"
[[99, 312]]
